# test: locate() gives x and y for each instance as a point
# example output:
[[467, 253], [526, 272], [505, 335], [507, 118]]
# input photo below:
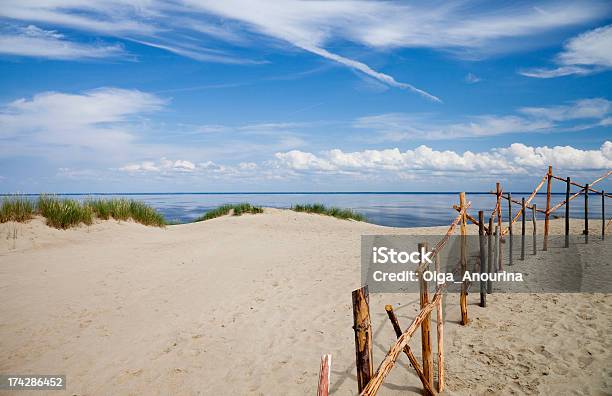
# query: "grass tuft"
[[16, 208], [126, 209], [235, 209], [64, 213], [345, 214]]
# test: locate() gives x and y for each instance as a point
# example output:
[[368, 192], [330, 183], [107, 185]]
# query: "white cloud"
[[471, 78], [313, 26], [403, 126], [96, 124], [596, 108], [515, 159], [35, 42], [587, 53]]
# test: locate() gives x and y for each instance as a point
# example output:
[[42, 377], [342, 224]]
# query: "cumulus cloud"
[[515, 159], [35, 42], [587, 53], [179, 167]]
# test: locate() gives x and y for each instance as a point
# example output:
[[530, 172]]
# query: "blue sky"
[[162, 96]]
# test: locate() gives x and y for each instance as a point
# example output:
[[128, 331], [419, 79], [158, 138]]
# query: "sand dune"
[[246, 305]]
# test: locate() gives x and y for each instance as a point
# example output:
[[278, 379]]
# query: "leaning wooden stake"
[[324, 375], [547, 215], [523, 228], [440, 329], [389, 361], [363, 336], [413, 360], [535, 229], [463, 297], [586, 214], [425, 326], [483, 259], [568, 188]]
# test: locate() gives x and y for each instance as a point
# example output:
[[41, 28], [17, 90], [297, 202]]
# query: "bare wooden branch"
[[324, 375], [463, 296], [363, 336], [533, 194], [547, 215], [583, 187], [440, 329], [389, 361], [483, 260], [557, 206], [535, 229], [425, 326], [523, 225], [568, 188], [413, 360], [470, 218]]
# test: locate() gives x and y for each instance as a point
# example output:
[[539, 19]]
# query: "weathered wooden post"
[[490, 262], [425, 326], [363, 336], [535, 229], [483, 259], [440, 329], [567, 210], [523, 225], [586, 214], [324, 375], [413, 360], [496, 245], [547, 214], [510, 235], [463, 297], [603, 214], [499, 223]]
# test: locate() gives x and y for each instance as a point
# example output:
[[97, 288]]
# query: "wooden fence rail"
[[489, 260]]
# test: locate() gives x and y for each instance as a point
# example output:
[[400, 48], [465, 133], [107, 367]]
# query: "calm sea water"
[[390, 209]]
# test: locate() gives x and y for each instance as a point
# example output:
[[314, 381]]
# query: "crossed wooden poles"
[[368, 381]]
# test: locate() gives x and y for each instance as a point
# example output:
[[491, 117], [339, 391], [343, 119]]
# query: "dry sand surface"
[[247, 305]]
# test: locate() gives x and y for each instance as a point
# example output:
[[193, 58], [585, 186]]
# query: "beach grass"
[[64, 213], [125, 209], [16, 208], [234, 209], [345, 214]]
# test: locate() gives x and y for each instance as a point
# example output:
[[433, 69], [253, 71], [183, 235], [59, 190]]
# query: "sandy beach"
[[247, 305]]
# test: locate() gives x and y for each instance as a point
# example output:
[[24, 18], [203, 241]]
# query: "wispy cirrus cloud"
[[33, 41], [577, 115], [587, 53], [312, 26]]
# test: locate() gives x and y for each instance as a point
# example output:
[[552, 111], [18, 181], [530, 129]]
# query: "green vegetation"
[[65, 213], [345, 214], [16, 208], [235, 209], [125, 209]]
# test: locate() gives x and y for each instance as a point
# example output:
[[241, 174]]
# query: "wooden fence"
[[368, 381]]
